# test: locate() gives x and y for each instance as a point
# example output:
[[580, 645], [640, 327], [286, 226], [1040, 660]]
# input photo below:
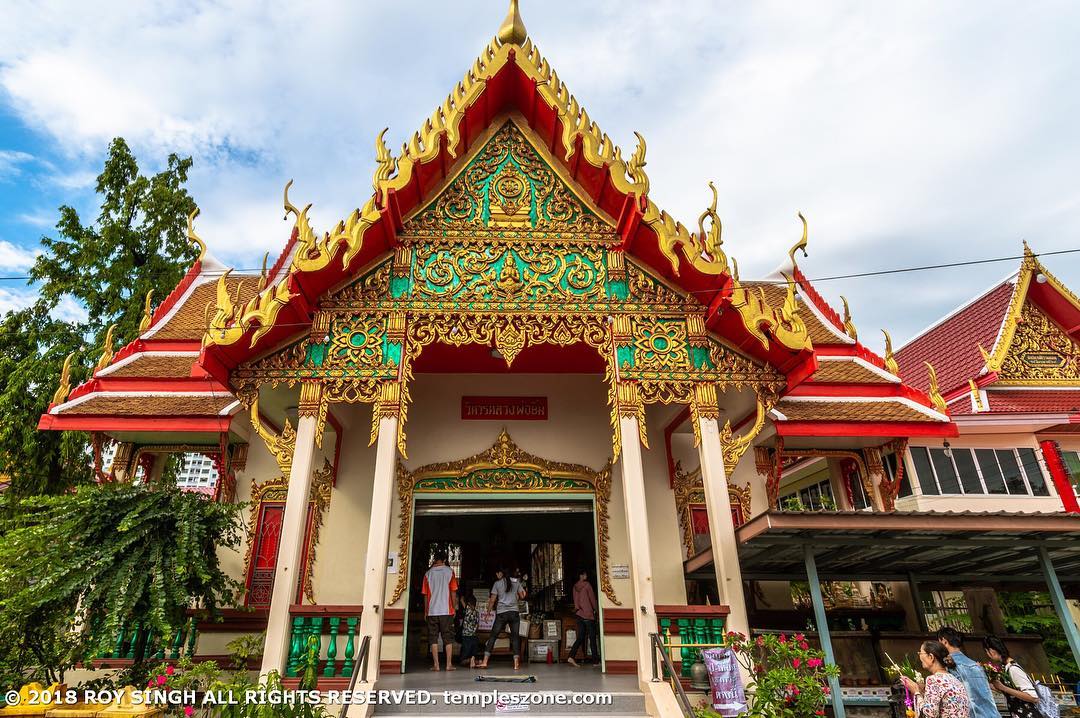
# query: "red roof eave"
[[113, 423]]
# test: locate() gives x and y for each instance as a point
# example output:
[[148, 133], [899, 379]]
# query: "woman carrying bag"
[[1021, 697]]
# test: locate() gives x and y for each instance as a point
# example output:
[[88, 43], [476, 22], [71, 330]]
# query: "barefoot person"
[[505, 594], [440, 597]]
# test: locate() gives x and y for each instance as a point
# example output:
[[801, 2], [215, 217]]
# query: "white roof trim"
[[777, 276], [864, 364], [902, 400], [129, 359], [87, 397], [200, 280], [777, 415]]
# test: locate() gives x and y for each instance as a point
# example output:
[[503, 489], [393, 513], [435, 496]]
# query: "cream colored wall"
[[982, 502]]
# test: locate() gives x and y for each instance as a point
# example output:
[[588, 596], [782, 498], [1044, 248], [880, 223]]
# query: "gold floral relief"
[[689, 489], [1041, 352]]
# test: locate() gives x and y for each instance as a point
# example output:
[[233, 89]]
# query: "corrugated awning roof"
[[965, 548]]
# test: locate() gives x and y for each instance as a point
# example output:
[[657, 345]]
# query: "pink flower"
[[161, 680], [169, 671], [813, 662], [188, 711], [783, 638], [796, 662], [150, 684], [804, 645]]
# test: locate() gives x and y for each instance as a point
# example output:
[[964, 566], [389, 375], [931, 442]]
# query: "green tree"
[[136, 244], [86, 564]]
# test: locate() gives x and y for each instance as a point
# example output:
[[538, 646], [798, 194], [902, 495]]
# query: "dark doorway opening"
[[549, 541]]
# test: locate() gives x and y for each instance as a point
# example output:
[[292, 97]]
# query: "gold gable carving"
[[1040, 352]]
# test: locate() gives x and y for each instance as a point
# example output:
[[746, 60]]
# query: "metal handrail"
[[362, 660], [658, 647]]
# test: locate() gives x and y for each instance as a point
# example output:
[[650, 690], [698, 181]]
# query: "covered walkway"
[[1012, 551]]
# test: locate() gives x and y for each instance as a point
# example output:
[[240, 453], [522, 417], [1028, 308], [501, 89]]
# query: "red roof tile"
[[1035, 401], [952, 346]]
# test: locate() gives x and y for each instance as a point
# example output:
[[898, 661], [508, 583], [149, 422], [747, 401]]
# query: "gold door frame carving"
[[504, 468], [689, 491]]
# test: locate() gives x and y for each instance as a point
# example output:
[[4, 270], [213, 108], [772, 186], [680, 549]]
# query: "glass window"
[[1010, 469], [891, 467], [969, 475], [921, 458], [946, 472], [858, 494], [1033, 471], [995, 484]]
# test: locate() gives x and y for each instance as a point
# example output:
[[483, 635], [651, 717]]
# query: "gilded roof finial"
[[849, 325], [194, 237], [106, 350], [890, 358], [636, 166], [64, 389], [144, 323], [934, 391], [263, 275], [801, 244], [513, 31]]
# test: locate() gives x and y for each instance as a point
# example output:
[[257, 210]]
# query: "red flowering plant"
[[789, 678]]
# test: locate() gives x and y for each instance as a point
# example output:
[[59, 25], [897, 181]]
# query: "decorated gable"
[[509, 190], [1041, 352]]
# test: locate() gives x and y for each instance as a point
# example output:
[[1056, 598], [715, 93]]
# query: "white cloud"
[[68, 310], [908, 133], [37, 219], [15, 258], [15, 299], [11, 162]]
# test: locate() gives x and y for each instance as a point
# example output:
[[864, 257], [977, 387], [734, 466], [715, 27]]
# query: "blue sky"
[[908, 133]]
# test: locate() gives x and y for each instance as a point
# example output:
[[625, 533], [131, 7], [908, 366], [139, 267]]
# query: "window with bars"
[[1013, 472]]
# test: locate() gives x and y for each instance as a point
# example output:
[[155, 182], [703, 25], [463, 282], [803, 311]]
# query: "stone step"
[[622, 704]]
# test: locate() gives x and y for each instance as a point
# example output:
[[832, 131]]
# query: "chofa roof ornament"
[[512, 31]]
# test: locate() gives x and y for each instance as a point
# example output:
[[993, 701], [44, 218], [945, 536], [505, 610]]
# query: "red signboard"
[[504, 408]]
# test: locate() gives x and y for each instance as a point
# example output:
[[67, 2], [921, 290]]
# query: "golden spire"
[[801, 244], [144, 323], [890, 358], [513, 31], [194, 237], [106, 350], [263, 275], [849, 325], [64, 389], [934, 391]]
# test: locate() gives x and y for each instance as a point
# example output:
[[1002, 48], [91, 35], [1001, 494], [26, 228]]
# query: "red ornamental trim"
[[1059, 475], [504, 408]]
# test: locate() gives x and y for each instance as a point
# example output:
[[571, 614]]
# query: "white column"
[[637, 524], [378, 543], [290, 549], [721, 528]]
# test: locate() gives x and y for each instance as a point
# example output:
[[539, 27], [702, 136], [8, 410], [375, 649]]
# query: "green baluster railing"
[[118, 652], [331, 648], [296, 646], [177, 643], [159, 644], [193, 635], [349, 664], [685, 653], [134, 639]]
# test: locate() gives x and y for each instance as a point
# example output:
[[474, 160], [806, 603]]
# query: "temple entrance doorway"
[[548, 538]]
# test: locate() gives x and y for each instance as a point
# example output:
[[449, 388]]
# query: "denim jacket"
[[972, 675]]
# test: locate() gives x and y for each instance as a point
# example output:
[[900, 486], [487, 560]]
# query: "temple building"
[[510, 353]]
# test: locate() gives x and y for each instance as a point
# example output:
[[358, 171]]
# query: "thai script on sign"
[[504, 408]]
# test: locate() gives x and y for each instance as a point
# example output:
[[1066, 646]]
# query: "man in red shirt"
[[440, 597]]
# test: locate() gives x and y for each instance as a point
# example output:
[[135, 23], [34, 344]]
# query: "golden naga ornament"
[[147, 316], [62, 391], [934, 391], [890, 358], [194, 238], [281, 446], [106, 350], [801, 244], [849, 325]]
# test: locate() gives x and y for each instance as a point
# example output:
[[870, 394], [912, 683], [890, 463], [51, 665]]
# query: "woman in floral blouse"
[[943, 695]]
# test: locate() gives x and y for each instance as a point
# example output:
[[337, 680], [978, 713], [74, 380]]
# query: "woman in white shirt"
[[1021, 696]]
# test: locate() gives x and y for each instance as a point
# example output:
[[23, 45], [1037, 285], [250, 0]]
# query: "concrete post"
[[1061, 606], [290, 549], [823, 630], [378, 543], [637, 522], [725, 550]]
